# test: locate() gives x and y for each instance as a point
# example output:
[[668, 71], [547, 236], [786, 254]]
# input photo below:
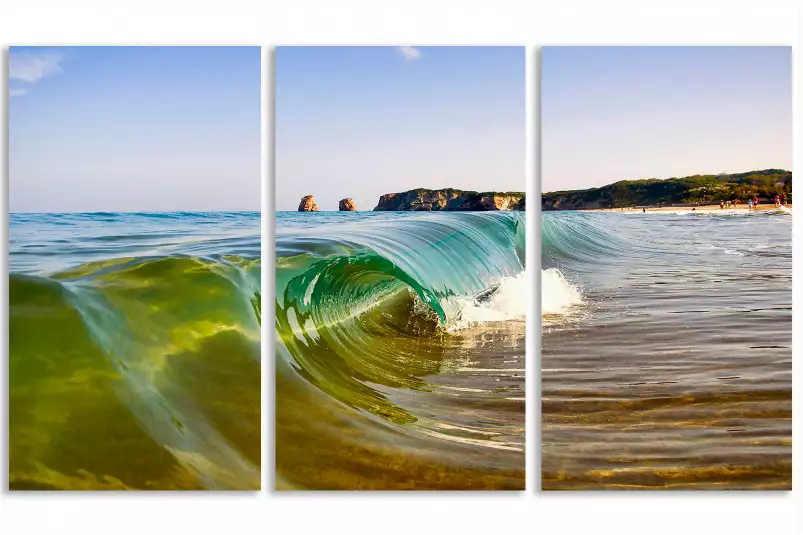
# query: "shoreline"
[[684, 208]]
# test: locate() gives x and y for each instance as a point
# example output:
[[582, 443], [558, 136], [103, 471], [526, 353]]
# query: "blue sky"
[[622, 113], [134, 128], [363, 121]]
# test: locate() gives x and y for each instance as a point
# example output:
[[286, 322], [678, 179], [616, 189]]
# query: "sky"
[[625, 113], [134, 129], [360, 122]]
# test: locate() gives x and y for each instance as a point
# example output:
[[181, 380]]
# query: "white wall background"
[[414, 22]]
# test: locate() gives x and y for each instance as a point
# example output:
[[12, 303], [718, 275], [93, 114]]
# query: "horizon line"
[[137, 212]]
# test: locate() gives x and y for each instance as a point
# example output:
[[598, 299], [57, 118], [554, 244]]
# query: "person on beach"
[[721, 205], [643, 210], [783, 198], [777, 201], [750, 204]]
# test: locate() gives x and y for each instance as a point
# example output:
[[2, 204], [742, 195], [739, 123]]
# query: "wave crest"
[[353, 298]]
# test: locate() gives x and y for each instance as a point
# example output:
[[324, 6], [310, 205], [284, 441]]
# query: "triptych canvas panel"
[[401, 285], [135, 268], [666, 246], [400, 278]]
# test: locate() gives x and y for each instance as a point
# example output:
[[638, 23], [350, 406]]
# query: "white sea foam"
[[712, 213], [507, 303], [783, 210], [745, 212], [557, 294]]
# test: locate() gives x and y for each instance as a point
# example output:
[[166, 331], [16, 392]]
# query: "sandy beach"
[[709, 207]]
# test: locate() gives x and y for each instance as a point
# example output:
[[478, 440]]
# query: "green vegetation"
[[696, 189]]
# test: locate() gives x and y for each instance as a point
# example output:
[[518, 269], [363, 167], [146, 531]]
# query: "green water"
[[134, 357], [400, 351]]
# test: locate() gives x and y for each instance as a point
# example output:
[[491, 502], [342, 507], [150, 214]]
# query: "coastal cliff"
[[450, 199]]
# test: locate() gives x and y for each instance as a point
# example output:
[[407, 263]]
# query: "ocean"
[[134, 351], [400, 350], [666, 350]]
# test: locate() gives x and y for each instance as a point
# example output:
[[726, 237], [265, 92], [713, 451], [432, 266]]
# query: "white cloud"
[[31, 67], [16, 92], [410, 53]]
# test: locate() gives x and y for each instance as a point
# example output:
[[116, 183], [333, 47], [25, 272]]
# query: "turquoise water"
[[667, 353], [134, 351], [400, 350]]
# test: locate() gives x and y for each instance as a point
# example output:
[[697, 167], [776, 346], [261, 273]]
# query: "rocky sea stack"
[[308, 204], [346, 205], [450, 199]]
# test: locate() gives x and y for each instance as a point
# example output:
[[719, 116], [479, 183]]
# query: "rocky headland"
[[450, 199], [689, 190]]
